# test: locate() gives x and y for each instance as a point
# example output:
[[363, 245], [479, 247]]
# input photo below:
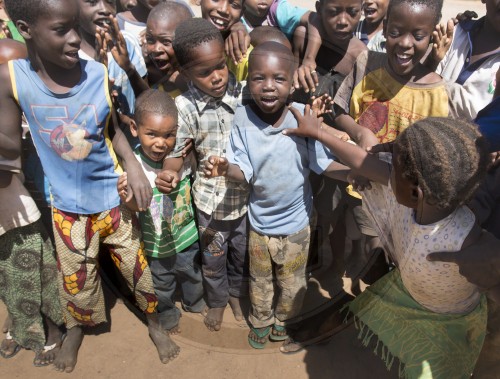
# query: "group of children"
[[189, 175]]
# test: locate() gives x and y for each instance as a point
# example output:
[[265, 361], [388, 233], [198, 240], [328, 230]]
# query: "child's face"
[[270, 80], [159, 37], [408, 32], [339, 18], [128, 4], [493, 13], [375, 10], [55, 36], [156, 134], [404, 189], [258, 8], [222, 13], [95, 13], [209, 71]]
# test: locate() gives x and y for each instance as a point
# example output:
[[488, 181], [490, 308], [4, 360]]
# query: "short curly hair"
[[28, 10], [155, 102], [435, 5], [191, 34], [448, 159]]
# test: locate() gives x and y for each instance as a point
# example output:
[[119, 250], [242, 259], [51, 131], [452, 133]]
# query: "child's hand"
[[237, 43], [166, 181], [479, 263], [117, 45], [465, 16], [442, 38], [101, 47], [342, 135], [309, 124], [138, 187], [122, 186], [188, 147], [322, 104], [306, 76], [359, 183], [6, 30], [215, 166]]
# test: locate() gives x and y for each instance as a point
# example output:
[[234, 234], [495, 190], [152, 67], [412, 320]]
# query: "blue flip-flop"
[[276, 337], [261, 334]]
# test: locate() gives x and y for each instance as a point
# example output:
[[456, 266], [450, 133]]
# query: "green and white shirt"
[[168, 225]]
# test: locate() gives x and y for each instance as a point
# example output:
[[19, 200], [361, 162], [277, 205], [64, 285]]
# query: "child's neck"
[[254, 20], [426, 214], [88, 43], [57, 79], [140, 13], [486, 41], [373, 28], [273, 119]]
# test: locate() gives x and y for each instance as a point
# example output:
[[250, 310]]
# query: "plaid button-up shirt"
[[208, 122]]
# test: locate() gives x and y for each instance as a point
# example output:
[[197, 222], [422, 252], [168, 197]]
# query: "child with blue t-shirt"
[[168, 225], [280, 201]]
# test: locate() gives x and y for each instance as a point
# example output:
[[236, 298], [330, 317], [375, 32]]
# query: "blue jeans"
[[183, 269]]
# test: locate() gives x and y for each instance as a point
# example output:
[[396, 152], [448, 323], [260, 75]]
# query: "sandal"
[[275, 335], [38, 360], [261, 334], [7, 343]]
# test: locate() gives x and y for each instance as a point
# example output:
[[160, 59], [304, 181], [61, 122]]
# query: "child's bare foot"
[[167, 349], [174, 330], [235, 305], [213, 318], [9, 347], [52, 347], [67, 356]]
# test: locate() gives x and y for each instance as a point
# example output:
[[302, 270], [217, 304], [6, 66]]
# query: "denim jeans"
[[184, 269]]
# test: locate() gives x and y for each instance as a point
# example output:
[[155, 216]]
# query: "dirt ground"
[[123, 349]]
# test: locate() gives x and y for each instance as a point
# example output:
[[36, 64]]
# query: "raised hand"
[[237, 43], [309, 124], [116, 45], [442, 38], [322, 104]]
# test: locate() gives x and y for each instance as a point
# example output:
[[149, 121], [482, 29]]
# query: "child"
[[95, 15], [206, 114], [370, 29], [385, 93], [472, 62], [424, 314], [160, 32], [24, 239], [66, 102], [168, 226], [280, 202]]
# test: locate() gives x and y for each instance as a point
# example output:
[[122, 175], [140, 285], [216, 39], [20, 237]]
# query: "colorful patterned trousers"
[[78, 238], [287, 257]]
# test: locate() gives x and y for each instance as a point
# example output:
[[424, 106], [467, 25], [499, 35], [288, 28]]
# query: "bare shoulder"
[[10, 49], [5, 90]]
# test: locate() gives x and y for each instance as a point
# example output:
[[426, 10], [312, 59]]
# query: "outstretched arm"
[[364, 164], [359, 134], [219, 166], [10, 122]]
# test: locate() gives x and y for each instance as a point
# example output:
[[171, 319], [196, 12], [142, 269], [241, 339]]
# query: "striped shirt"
[[208, 121]]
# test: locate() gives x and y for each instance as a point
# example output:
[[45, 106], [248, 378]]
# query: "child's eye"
[[353, 12], [166, 42], [419, 37], [393, 34], [235, 5]]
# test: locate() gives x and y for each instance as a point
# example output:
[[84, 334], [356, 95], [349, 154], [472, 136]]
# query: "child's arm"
[[442, 37], [364, 164], [10, 122], [219, 166], [359, 134], [122, 186], [237, 42], [138, 184]]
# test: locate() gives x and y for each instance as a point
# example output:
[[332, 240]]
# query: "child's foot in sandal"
[[47, 356], [278, 333], [258, 337]]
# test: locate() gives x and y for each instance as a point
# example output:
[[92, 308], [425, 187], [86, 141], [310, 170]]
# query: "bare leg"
[[213, 318], [167, 349], [235, 305], [67, 356]]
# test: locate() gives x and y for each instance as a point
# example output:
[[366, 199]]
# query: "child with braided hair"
[[423, 313]]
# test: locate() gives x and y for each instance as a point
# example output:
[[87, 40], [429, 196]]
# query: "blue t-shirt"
[[70, 133], [277, 168], [488, 120]]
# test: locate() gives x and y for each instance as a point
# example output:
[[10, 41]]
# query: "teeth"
[[403, 56], [219, 22]]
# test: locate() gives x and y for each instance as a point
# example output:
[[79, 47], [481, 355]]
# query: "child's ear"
[[417, 195], [133, 128], [24, 29]]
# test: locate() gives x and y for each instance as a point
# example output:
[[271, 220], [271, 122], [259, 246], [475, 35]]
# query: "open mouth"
[[220, 23], [404, 59], [157, 156], [269, 100], [103, 22], [161, 64], [369, 12], [72, 55]]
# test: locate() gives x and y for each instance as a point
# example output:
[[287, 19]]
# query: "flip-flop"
[[45, 350], [16, 350], [277, 337], [262, 334]]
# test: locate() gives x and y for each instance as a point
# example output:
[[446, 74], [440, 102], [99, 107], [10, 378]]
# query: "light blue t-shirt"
[[277, 168]]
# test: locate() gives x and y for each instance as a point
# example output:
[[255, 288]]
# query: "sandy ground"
[[122, 349]]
